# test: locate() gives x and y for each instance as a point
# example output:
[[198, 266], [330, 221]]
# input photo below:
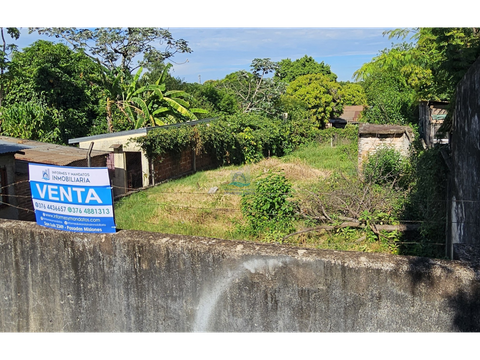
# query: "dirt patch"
[[295, 170]]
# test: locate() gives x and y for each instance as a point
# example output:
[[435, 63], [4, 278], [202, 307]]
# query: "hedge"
[[239, 139]]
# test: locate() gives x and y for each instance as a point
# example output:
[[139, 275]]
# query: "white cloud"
[[220, 51]]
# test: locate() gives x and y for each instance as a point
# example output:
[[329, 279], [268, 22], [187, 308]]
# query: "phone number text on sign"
[[58, 208], [72, 199]]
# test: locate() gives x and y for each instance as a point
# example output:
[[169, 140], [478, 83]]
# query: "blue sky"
[[221, 51]]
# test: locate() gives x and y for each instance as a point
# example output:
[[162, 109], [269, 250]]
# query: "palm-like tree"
[[153, 105], [145, 105]]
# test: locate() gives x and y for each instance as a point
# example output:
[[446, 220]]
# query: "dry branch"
[[357, 225]]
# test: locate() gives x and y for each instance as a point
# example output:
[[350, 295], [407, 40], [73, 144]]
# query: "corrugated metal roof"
[[137, 132], [45, 153], [8, 148]]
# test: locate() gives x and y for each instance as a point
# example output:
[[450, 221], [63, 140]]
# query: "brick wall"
[[171, 166]]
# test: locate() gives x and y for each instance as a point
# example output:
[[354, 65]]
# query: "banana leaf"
[[160, 110], [180, 109], [198, 111], [178, 93], [182, 102], [163, 76]]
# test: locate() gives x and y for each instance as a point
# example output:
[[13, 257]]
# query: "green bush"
[[268, 209], [387, 166], [241, 138], [167, 140], [426, 202], [31, 120]]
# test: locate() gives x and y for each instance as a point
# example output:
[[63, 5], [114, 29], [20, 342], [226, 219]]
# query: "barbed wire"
[[234, 209], [16, 207], [221, 192], [131, 191], [240, 192]]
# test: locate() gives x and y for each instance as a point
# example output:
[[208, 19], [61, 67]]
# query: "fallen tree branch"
[[323, 218], [357, 225], [326, 227]]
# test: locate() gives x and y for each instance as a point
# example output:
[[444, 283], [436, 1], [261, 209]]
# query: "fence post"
[[194, 160], [89, 153]]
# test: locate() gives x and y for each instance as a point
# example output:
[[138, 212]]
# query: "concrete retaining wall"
[[138, 281]]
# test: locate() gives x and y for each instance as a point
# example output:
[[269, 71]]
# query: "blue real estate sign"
[[72, 198]]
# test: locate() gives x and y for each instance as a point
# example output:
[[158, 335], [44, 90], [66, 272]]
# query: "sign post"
[[77, 199]]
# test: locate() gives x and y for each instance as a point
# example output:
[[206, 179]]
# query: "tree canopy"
[[427, 68], [255, 92], [14, 33], [118, 47], [111, 79], [57, 80], [289, 70], [320, 94]]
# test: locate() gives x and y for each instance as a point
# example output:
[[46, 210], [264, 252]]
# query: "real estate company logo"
[[46, 174], [240, 183]]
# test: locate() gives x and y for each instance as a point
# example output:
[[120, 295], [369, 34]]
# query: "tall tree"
[[57, 80], [394, 81], [289, 70], [118, 47], [446, 52], [353, 94], [451, 52], [254, 90], [320, 94], [427, 68], [14, 33]]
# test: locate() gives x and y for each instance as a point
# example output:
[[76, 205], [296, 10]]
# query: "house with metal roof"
[[16, 154], [129, 165]]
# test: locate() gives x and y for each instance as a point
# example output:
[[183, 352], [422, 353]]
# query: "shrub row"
[[239, 139]]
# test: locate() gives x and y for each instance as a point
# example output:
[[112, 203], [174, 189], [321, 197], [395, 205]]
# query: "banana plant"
[[152, 105]]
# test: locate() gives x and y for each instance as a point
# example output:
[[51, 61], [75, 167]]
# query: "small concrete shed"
[[372, 137]]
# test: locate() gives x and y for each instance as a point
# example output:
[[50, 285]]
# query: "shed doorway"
[[134, 170]]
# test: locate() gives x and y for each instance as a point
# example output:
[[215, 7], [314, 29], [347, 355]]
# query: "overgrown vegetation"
[[312, 197], [54, 92], [395, 193], [268, 210], [184, 206], [239, 139], [344, 210], [426, 202], [387, 167]]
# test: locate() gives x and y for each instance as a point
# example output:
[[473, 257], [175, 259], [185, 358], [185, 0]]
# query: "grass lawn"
[[185, 206]]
